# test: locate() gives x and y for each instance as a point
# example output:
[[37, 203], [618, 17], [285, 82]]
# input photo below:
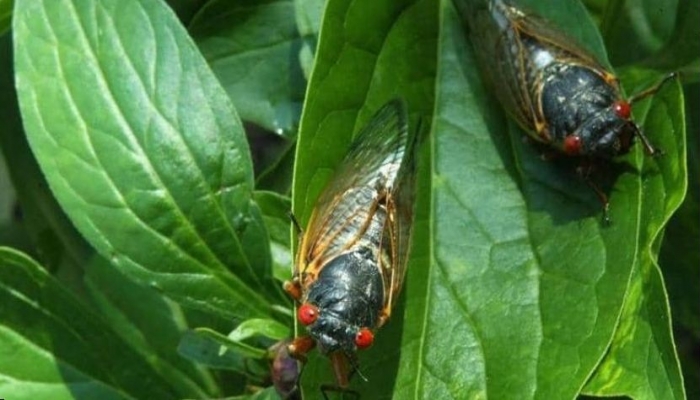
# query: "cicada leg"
[[300, 346], [340, 368], [652, 90], [384, 315], [293, 288], [342, 376], [648, 147], [542, 130]]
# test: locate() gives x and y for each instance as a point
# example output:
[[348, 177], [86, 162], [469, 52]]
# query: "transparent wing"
[[498, 49], [545, 32], [366, 176], [400, 223]]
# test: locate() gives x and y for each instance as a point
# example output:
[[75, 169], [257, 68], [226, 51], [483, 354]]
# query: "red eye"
[[364, 338], [572, 145], [622, 109], [307, 314]]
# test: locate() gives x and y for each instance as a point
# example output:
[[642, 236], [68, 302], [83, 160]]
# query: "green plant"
[[514, 288]]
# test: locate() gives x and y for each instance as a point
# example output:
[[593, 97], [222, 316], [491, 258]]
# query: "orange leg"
[[293, 288], [300, 346], [340, 368]]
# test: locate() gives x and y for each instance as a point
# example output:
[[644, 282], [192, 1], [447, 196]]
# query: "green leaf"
[[144, 153], [369, 52], [215, 350], [277, 177], [186, 9], [525, 278], [679, 257], [259, 327], [226, 344], [5, 15], [635, 29], [682, 51], [596, 8], [53, 236], [308, 16], [52, 346], [276, 209], [149, 322], [7, 194], [251, 46], [207, 351], [641, 361], [661, 35], [265, 394]]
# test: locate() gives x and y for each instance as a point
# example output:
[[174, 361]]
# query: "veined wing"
[[400, 210], [365, 177], [544, 32], [494, 33]]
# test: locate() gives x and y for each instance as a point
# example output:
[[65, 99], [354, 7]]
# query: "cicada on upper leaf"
[[352, 257], [558, 92]]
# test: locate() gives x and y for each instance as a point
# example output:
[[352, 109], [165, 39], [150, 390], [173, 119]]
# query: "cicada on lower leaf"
[[557, 91], [352, 257]]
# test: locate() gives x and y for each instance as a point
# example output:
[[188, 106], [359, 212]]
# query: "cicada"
[[352, 256], [556, 90]]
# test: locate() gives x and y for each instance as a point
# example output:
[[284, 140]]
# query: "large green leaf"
[[52, 235], [253, 47], [142, 148], [662, 35], [53, 347], [527, 285], [680, 259], [369, 52], [682, 51], [7, 194], [186, 9], [149, 322], [5, 15], [308, 15], [276, 209], [641, 361], [635, 29]]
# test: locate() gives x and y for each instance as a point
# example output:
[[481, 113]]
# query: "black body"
[[349, 293], [576, 100]]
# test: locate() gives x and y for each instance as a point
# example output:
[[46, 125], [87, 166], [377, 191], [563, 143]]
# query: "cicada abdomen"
[[352, 257]]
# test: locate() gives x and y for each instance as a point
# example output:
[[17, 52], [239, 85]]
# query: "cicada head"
[[606, 134], [342, 306], [584, 112], [333, 333]]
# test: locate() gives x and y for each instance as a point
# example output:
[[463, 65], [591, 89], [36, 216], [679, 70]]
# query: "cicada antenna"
[[354, 365]]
